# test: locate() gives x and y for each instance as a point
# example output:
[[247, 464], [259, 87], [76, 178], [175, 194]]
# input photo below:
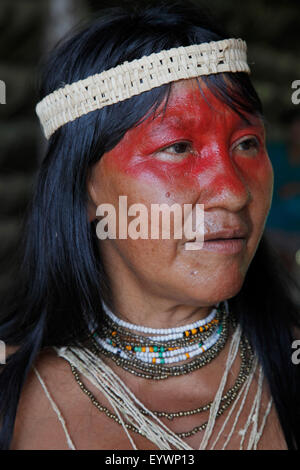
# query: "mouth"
[[225, 245], [227, 241]]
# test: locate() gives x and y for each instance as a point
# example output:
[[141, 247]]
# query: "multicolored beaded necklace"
[[247, 361], [155, 353]]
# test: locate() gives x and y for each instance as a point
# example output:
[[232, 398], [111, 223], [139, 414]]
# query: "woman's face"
[[198, 151]]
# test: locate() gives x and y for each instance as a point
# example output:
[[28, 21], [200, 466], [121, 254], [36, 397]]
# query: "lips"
[[226, 234], [226, 241]]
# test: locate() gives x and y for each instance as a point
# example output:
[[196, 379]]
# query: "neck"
[[147, 303], [157, 314]]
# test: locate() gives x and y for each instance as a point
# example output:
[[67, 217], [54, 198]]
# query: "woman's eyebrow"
[[250, 121], [163, 125], [188, 122], [176, 122], [249, 117]]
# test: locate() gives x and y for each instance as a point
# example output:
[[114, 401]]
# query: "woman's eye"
[[249, 146], [175, 153]]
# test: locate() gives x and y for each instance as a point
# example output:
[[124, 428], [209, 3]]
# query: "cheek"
[[259, 176], [260, 180], [145, 180], [153, 173]]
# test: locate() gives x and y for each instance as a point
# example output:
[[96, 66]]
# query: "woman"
[[156, 345]]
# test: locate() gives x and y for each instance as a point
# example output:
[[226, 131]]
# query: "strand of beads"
[[161, 354], [135, 356], [176, 337], [168, 337], [160, 331], [128, 341], [247, 360]]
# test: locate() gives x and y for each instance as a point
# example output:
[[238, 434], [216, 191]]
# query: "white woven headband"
[[132, 78]]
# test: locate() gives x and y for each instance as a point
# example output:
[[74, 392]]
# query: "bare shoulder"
[[37, 425]]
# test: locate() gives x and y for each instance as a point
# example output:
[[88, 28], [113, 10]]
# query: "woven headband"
[[132, 78]]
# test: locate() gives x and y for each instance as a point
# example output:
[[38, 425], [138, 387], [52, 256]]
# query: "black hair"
[[62, 280]]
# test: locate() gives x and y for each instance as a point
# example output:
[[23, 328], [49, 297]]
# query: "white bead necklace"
[[162, 353], [160, 331]]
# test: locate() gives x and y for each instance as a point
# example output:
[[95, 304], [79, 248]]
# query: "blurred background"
[[29, 28]]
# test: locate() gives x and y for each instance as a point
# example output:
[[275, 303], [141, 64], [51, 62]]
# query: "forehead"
[[191, 103]]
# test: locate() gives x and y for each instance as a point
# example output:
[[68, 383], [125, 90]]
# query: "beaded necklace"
[[226, 400], [129, 411], [159, 331], [195, 345]]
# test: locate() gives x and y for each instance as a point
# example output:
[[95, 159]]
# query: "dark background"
[[28, 28]]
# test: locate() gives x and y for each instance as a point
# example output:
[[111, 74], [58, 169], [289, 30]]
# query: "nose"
[[226, 185]]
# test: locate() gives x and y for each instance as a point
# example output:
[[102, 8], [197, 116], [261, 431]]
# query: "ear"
[[91, 198]]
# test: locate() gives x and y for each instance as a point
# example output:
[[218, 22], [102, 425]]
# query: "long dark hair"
[[62, 280]]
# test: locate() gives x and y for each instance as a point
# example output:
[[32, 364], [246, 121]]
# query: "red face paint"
[[198, 152], [224, 152]]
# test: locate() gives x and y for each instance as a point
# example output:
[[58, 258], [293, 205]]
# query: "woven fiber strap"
[[132, 78]]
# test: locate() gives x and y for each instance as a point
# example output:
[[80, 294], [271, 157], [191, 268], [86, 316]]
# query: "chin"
[[214, 289]]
